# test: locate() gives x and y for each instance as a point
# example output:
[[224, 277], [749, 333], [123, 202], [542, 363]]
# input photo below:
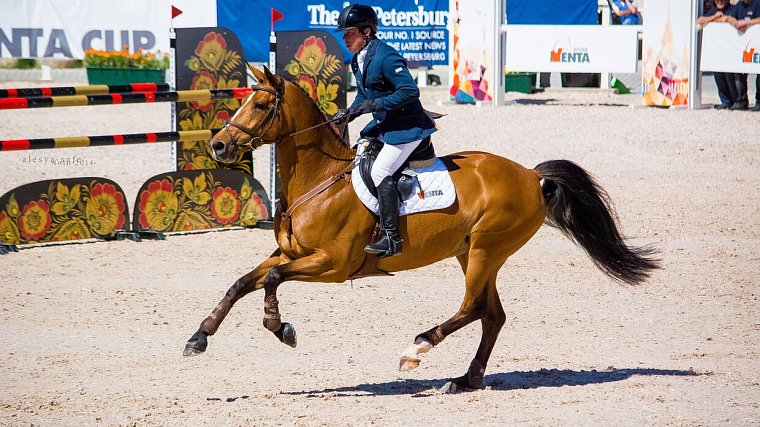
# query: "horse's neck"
[[310, 158]]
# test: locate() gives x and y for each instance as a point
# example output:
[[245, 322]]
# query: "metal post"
[[173, 86], [605, 77], [499, 46], [695, 74], [273, 195]]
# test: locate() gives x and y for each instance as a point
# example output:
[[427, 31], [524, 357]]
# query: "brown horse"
[[321, 234]]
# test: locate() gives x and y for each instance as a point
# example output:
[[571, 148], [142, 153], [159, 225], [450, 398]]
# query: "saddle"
[[403, 179]]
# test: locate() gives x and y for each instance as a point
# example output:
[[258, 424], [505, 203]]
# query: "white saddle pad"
[[433, 189]]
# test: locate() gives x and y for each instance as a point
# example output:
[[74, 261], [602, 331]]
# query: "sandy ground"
[[95, 331]]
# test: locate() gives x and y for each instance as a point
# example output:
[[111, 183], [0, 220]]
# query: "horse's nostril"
[[217, 145]]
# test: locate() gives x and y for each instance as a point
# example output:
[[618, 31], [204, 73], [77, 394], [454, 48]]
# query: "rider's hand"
[[364, 107], [343, 114], [348, 114]]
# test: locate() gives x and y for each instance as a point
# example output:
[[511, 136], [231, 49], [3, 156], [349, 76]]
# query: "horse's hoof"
[[408, 363], [288, 335], [196, 344], [452, 387], [190, 350]]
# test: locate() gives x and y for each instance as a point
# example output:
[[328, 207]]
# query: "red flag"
[[175, 12], [276, 16]]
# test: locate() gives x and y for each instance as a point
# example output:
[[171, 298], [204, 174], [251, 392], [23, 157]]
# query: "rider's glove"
[[343, 114], [364, 107], [348, 114]]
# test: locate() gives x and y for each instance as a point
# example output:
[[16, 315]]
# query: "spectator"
[[745, 14], [726, 82], [626, 11]]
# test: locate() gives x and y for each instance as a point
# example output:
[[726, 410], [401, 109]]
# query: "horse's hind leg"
[[425, 341], [491, 322], [250, 282], [481, 301]]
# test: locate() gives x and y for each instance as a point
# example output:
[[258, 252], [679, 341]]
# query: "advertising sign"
[[552, 12], [416, 28], [572, 48], [66, 28], [727, 50]]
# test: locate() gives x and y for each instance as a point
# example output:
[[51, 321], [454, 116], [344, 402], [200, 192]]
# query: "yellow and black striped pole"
[[83, 90], [123, 98]]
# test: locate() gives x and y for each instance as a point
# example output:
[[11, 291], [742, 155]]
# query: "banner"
[[572, 48], [472, 51], [417, 29], [552, 12], [727, 50], [666, 54], [66, 28]]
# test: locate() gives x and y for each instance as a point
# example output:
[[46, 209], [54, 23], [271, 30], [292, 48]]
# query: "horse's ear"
[[256, 73], [269, 76]]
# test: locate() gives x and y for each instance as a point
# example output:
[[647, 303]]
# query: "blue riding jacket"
[[398, 117]]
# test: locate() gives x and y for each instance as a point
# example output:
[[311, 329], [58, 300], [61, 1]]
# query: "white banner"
[[727, 50], [572, 48], [194, 13], [66, 28]]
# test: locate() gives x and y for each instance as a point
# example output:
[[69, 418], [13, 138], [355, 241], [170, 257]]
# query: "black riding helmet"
[[358, 16]]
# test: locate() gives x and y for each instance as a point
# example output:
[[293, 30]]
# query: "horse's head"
[[254, 123]]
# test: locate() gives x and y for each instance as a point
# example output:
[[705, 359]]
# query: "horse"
[[321, 226]]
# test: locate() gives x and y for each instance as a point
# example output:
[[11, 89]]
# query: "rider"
[[386, 89]]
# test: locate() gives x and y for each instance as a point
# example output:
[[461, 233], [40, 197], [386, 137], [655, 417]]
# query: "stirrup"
[[390, 247]]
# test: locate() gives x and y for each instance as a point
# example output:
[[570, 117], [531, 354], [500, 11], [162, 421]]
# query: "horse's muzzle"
[[221, 151]]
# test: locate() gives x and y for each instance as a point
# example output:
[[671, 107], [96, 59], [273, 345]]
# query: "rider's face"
[[354, 39]]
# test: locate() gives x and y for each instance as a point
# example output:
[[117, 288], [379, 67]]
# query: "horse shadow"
[[502, 382]]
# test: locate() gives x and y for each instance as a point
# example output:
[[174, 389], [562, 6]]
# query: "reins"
[[286, 215], [256, 134]]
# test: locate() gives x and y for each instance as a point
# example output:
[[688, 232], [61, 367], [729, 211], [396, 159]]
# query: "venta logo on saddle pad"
[[432, 193], [433, 189]]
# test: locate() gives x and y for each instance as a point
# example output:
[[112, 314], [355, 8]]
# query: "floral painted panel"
[[63, 209], [208, 58], [199, 200], [314, 61]]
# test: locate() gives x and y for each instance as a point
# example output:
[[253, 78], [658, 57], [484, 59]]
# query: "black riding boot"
[[390, 241]]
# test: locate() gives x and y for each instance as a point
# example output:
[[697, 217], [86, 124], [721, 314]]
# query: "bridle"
[[257, 133], [274, 111]]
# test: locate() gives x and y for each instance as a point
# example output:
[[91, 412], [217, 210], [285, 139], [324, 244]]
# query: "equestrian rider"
[[386, 89]]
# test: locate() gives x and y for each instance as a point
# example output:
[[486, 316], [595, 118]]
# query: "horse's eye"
[[259, 106]]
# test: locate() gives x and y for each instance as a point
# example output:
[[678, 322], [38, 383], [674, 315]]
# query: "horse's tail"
[[581, 209]]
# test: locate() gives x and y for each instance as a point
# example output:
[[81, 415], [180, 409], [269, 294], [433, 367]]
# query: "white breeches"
[[390, 158]]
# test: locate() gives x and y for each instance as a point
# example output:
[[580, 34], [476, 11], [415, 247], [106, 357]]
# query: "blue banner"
[[417, 29], [552, 12]]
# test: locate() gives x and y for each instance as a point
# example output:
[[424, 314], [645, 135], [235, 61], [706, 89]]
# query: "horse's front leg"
[[318, 267], [250, 282]]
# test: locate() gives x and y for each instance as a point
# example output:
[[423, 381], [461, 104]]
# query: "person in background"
[[626, 11], [745, 13], [386, 89], [725, 82]]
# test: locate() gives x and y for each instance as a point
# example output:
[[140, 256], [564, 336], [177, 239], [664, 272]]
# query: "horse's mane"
[[335, 137]]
